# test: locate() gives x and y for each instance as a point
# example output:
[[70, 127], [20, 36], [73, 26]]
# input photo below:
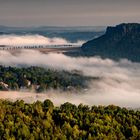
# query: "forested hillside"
[[41, 79], [43, 121]]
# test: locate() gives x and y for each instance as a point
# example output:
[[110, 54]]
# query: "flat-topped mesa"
[[121, 41], [124, 28]]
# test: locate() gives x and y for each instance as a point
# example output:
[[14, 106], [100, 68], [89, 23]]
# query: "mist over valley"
[[69, 70], [114, 82]]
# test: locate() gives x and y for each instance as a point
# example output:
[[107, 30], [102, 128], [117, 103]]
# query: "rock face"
[[122, 41]]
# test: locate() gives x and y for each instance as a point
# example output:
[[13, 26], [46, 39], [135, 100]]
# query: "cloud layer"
[[119, 82], [30, 40]]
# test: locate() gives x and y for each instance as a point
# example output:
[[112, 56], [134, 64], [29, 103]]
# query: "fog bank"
[[119, 82], [31, 40], [122, 99]]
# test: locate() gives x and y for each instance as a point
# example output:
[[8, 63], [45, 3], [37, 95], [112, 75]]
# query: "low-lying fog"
[[119, 82], [31, 40]]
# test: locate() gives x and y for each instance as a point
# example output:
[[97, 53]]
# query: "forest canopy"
[[41, 120]]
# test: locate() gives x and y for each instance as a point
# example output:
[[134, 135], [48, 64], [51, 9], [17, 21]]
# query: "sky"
[[68, 12]]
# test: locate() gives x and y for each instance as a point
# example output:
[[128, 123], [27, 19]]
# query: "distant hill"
[[121, 41], [71, 34]]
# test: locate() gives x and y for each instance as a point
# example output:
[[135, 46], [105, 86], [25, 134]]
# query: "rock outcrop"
[[122, 41]]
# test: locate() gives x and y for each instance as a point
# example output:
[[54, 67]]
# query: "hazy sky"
[[68, 12]]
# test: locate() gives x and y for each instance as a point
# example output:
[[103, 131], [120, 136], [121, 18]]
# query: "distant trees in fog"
[[40, 79]]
